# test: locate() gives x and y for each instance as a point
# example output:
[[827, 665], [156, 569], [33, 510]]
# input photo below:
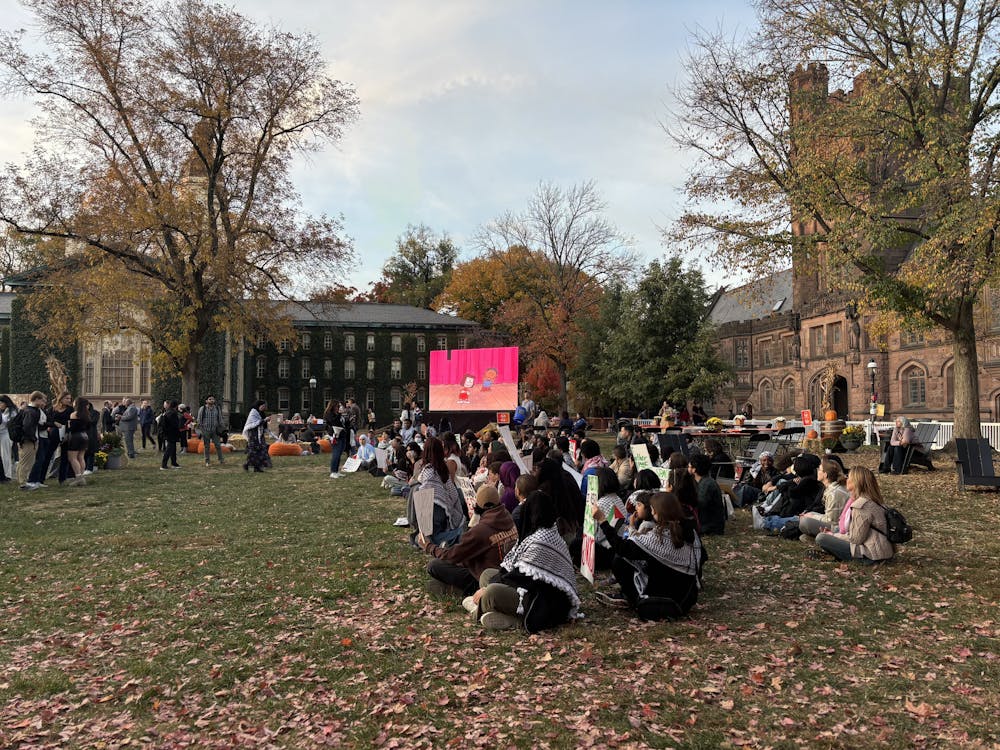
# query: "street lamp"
[[312, 393], [872, 370]]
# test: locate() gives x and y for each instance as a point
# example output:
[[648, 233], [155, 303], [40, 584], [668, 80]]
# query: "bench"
[[975, 464], [924, 436]]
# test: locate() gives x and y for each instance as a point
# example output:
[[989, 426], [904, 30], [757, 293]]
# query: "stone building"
[[370, 352]]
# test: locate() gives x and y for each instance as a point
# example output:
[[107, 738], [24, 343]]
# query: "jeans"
[[129, 436], [338, 451], [449, 536], [453, 575], [207, 442], [42, 457], [147, 434], [840, 548], [774, 523], [169, 452]]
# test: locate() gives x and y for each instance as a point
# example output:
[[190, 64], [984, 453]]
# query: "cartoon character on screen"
[[489, 378], [467, 383]]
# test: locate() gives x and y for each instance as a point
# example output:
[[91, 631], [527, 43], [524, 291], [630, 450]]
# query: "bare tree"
[[164, 145], [891, 187], [574, 252]]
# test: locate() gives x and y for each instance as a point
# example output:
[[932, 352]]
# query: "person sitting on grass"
[[748, 489], [455, 569], [801, 495], [508, 476], [524, 486], [613, 507], [535, 586], [669, 556], [835, 497], [366, 453], [646, 481], [590, 453], [711, 508], [450, 516], [863, 529]]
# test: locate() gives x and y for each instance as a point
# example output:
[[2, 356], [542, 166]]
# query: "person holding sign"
[[611, 506], [536, 583], [659, 570], [455, 569], [450, 517]]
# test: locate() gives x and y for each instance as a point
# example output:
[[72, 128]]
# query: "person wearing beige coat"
[[864, 538]]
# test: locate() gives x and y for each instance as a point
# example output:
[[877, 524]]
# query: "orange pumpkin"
[[812, 434], [325, 446], [194, 445], [830, 415], [284, 449], [201, 448]]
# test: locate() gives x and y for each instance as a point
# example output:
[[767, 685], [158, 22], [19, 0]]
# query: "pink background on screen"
[[445, 371]]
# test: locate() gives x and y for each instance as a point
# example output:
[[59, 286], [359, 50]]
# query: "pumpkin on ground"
[[812, 434], [194, 445], [325, 446], [284, 449]]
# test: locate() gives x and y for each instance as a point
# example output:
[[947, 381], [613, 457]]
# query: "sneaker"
[[175, 466], [469, 605], [88, 472], [336, 475], [40, 486], [499, 621], [402, 522], [611, 600], [163, 468], [28, 486]]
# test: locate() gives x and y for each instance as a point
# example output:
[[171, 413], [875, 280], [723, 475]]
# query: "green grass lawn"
[[214, 608]]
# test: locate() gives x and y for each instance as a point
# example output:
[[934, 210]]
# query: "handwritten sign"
[[352, 464], [588, 559], [423, 509], [664, 474], [382, 459], [468, 492], [640, 454]]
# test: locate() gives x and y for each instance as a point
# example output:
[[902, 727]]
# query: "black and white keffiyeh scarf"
[[544, 557], [684, 560]]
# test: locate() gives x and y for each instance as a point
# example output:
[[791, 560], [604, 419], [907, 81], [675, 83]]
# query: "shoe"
[[469, 605], [175, 466], [611, 600], [401, 522], [163, 468], [206, 464], [499, 621], [336, 475], [28, 486], [88, 472], [40, 485], [246, 467]]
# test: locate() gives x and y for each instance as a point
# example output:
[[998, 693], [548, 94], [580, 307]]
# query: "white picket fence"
[[991, 431]]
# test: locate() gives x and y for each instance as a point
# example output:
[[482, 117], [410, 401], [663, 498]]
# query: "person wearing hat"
[[751, 484], [456, 569]]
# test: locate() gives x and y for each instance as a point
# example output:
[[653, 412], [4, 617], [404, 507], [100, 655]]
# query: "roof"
[[371, 315], [756, 300]]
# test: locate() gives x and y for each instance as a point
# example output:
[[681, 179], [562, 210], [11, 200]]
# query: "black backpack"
[[899, 531], [15, 427]]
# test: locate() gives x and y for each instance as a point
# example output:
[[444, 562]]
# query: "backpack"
[[900, 531], [15, 427]]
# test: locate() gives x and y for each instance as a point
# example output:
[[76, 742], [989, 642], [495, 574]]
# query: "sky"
[[467, 106]]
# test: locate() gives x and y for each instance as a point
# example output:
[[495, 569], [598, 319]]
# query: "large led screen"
[[474, 379]]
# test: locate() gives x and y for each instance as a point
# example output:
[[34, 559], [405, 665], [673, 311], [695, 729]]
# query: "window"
[[370, 369], [306, 341], [834, 335], [261, 367], [261, 342], [117, 372], [789, 391], [914, 387], [422, 396], [421, 369], [349, 342], [461, 342], [397, 343], [328, 341], [284, 398], [349, 369], [765, 353], [88, 377], [306, 401], [327, 396], [421, 344], [395, 399], [306, 368], [348, 393], [949, 386], [742, 353], [370, 342], [817, 345], [284, 368], [912, 338], [395, 369], [766, 396], [285, 345], [370, 399], [144, 376], [327, 368], [442, 342]]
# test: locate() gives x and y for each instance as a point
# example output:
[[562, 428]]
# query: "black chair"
[[791, 434], [674, 441], [924, 436], [975, 464]]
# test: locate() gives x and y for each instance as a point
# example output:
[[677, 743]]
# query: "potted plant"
[[111, 445], [829, 443], [852, 437], [713, 424], [100, 459]]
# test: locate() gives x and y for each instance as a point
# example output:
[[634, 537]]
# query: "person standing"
[[337, 426], [107, 421], [253, 431], [170, 428], [146, 422], [7, 413], [210, 429], [34, 444], [128, 423]]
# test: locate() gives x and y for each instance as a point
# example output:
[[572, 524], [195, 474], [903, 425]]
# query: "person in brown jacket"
[[865, 539], [456, 568]]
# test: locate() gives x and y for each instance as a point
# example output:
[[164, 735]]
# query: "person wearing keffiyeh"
[[659, 571], [590, 452], [536, 583]]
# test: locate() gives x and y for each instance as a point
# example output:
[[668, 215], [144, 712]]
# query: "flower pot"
[[114, 462], [849, 443]]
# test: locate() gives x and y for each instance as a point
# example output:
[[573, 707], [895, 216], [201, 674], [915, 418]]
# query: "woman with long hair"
[[254, 431], [659, 570], [835, 497], [338, 427], [450, 514], [862, 529], [78, 439], [7, 412]]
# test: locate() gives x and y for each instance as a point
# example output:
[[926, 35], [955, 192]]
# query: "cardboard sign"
[[640, 454], [807, 418], [423, 509], [508, 442], [664, 474], [503, 417], [382, 459], [588, 558], [574, 450], [577, 476], [468, 492], [351, 464], [529, 462]]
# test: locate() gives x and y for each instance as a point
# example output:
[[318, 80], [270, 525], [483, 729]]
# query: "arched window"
[[788, 389], [349, 369], [949, 385], [766, 396], [914, 385]]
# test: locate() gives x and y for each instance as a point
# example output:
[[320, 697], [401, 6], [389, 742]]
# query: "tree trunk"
[[966, 414], [563, 391], [189, 380]]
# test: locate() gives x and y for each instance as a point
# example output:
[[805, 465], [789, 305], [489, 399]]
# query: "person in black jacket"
[[670, 556], [170, 427], [711, 508], [802, 494], [33, 443]]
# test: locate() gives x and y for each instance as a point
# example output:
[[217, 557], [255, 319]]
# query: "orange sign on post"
[[807, 418], [503, 417]]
